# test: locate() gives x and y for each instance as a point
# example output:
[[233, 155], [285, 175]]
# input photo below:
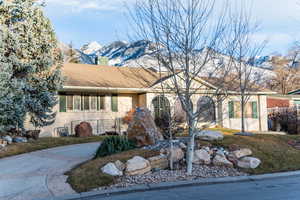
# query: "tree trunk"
[[242, 113], [190, 151]]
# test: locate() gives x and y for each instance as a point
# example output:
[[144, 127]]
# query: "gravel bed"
[[199, 172]]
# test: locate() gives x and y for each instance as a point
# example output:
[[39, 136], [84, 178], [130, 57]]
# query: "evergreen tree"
[[30, 65]]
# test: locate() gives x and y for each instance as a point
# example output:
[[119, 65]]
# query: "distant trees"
[[30, 65], [286, 72]]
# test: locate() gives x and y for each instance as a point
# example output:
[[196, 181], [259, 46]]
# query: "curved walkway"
[[40, 174]]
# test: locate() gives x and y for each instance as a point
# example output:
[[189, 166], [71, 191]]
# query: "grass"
[[88, 176], [225, 131], [273, 150], [45, 143]]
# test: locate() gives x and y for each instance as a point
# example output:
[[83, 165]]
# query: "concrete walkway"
[[41, 174]]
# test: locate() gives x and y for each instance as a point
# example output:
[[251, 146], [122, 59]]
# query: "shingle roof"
[[107, 76]]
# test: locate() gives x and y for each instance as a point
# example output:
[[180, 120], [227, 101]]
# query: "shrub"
[[114, 144]]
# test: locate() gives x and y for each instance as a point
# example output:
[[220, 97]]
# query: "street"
[[272, 189]]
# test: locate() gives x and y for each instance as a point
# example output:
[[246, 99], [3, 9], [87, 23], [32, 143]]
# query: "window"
[[77, 102], [94, 101], [114, 103], [101, 103], [70, 102], [86, 102], [62, 103], [250, 111]]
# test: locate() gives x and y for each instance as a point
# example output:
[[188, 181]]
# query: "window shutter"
[[254, 110], [114, 103], [98, 103], [231, 109], [62, 103]]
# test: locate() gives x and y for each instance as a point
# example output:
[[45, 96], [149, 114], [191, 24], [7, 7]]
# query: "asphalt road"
[[272, 189]]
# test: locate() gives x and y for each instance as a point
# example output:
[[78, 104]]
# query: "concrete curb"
[[169, 185]]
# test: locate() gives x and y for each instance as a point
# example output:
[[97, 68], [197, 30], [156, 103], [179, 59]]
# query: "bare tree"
[[286, 72], [187, 36], [243, 49]]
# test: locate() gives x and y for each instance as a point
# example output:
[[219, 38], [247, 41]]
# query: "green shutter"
[[114, 103], [231, 109], [254, 110], [62, 103], [98, 103]]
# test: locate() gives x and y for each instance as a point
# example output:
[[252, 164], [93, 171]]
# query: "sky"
[[105, 21]]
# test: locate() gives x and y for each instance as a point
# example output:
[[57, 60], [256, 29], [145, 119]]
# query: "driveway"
[[41, 174]]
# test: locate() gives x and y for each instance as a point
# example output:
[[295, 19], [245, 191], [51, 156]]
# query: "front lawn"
[[45, 143], [273, 150]]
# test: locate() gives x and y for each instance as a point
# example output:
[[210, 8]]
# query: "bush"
[[114, 144]]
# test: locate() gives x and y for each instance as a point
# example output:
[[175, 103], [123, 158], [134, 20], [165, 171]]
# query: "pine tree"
[[30, 65]]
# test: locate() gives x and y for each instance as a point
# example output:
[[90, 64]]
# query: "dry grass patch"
[[88, 176], [45, 143], [273, 150]]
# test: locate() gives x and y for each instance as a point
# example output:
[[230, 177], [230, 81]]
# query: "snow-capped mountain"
[[74, 55], [140, 53], [91, 48]]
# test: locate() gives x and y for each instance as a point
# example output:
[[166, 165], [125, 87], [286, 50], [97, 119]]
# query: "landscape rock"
[[201, 157], [111, 169], [84, 129], [233, 147], [19, 140], [142, 129], [8, 139], [120, 165], [34, 134], [182, 145], [159, 162], [175, 154], [248, 163], [222, 161], [242, 153], [137, 166], [209, 135]]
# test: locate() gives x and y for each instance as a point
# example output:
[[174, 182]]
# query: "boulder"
[[137, 166], [222, 161], [201, 157], [120, 165], [34, 134], [209, 135], [142, 128], [8, 139], [111, 169], [159, 162], [248, 163], [175, 154], [19, 140], [242, 153], [84, 129], [182, 145]]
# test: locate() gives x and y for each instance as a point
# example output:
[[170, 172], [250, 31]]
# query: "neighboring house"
[[102, 95], [295, 95]]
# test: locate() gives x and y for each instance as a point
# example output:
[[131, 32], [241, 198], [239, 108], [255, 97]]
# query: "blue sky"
[[105, 21]]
